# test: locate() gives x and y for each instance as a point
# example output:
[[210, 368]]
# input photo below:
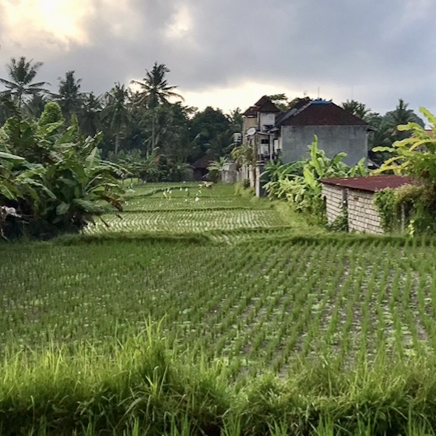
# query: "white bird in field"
[[197, 199]]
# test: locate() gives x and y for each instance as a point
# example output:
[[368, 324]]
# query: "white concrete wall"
[[229, 173], [266, 119], [352, 140]]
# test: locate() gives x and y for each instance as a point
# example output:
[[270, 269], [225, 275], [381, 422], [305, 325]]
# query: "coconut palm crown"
[[21, 74]]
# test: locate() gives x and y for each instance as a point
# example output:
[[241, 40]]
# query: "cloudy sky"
[[228, 53]]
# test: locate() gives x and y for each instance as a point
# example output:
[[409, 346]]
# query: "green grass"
[[267, 325]]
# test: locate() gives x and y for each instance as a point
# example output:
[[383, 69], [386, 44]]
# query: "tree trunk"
[[117, 143], [153, 132]]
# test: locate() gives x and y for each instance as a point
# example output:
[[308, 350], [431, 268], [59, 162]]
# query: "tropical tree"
[[153, 92], [171, 130], [236, 119], [211, 129], [20, 84], [6, 108], [400, 116], [90, 114], [280, 100], [35, 105], [69, 96], [116, 112], [385, 130], [357, 109]]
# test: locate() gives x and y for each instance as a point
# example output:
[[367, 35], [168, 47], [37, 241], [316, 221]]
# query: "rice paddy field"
[[270, 324]]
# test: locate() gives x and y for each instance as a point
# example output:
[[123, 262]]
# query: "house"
[[258, 120], [273, 133], [355, 195], [337, 131], [200, 167]]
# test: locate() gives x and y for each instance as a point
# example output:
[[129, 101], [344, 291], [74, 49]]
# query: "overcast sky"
[[228, 53]]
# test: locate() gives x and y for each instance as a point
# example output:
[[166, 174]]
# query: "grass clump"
[[63, 390], [144, 387]]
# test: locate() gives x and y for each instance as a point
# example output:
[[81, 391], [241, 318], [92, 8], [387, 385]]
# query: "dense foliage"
[[415, 156], [145, 116], [51, 177], [384, 128]]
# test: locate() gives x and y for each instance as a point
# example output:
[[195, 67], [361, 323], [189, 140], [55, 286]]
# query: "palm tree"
[[89, 119], [355, 108], [116, 112], [6, 108], [401, 115], [69, 96], [21, 74], [35, 105], [155, 91]]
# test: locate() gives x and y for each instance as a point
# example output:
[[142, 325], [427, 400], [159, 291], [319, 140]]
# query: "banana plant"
[[58, 182], [415, 155]]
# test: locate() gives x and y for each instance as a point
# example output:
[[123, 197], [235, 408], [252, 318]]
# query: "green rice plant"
[[264, 330]]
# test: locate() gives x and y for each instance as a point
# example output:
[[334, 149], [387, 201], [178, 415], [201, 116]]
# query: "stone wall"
[[362, 212], [334, 198]]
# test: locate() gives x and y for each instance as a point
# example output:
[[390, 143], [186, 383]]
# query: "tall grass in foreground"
[[142, 387]]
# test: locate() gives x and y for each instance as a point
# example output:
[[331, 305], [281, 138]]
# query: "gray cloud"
[[371, 50]]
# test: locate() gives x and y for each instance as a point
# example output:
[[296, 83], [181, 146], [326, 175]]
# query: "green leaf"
[[63, 208], [309, 178], [11, 157]]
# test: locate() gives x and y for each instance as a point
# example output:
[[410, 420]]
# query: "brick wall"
[[362, 212], [334, 201]]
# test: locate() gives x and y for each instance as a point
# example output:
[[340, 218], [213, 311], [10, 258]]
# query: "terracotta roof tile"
[[321, 113]]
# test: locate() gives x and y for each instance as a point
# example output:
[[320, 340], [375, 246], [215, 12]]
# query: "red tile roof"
[[322, 113], [371, 183], [295, 105]]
